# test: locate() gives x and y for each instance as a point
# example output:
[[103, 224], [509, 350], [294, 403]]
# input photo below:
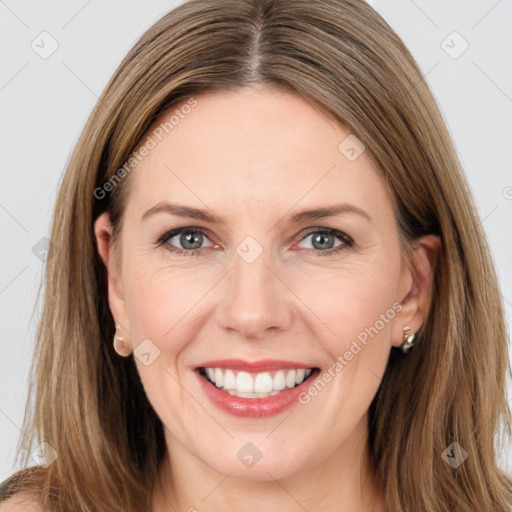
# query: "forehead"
[[254, 146]]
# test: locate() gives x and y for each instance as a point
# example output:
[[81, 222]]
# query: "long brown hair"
[[88, 403]]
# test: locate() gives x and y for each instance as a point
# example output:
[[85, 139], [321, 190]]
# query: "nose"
[[257, 303]]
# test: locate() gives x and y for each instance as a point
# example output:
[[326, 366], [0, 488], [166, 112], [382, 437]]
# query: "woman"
[[209, 342]]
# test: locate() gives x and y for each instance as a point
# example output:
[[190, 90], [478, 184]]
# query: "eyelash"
[[163, 239]]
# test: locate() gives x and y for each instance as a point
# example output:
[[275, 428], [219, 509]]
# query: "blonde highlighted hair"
[[88, 403]]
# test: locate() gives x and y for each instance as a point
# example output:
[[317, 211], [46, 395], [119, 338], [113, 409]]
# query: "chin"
[[257, 458]]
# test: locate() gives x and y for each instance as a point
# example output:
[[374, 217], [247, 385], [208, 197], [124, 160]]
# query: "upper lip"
[[262, 365]]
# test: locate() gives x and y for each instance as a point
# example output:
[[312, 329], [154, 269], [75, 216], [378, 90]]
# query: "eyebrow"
[[297, 218]]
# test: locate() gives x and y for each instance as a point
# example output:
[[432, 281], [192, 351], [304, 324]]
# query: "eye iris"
[[320, 239], [191, 238]]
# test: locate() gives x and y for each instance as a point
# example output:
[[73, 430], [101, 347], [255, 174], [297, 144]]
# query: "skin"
[[255, 157]]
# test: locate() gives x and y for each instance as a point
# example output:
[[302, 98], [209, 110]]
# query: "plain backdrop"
[[464, 48]]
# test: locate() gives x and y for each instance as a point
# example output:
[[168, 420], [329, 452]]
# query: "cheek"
[[339, 304], [357, 308], [160, 304], [159, 296], [348, 302]]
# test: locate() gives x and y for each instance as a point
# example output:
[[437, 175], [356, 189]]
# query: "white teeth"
[[229, 380], [279, 382], [244, 383], [218, 377], [247, 395], [290, 378], [259, 385], [263, 383], [300, 375]]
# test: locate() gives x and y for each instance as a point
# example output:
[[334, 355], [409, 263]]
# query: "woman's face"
[[262, 292]]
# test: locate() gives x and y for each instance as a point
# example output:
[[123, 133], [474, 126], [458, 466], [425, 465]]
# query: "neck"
[[342, 483]]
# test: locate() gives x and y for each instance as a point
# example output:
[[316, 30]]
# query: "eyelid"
[[346, 240], [171, 232], [322, 229]]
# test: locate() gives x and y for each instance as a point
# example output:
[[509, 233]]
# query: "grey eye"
[[322, 240], [187, 240]]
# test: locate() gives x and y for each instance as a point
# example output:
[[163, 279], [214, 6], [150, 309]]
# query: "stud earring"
[[408, 339], [119, 343]]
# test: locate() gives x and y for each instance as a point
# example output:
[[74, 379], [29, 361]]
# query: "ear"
[[117, 304], [418, 276]]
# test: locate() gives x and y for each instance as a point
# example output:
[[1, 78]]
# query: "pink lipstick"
[[254, 388]]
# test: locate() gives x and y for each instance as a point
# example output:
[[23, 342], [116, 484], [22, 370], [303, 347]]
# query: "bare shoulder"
[[21, 503]]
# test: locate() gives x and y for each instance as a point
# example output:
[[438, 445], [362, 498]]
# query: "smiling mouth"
[[256, 385]]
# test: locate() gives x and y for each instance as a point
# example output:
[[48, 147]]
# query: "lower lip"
[[254, 407]]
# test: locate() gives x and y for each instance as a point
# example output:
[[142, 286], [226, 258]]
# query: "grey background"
[[45, 103]]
